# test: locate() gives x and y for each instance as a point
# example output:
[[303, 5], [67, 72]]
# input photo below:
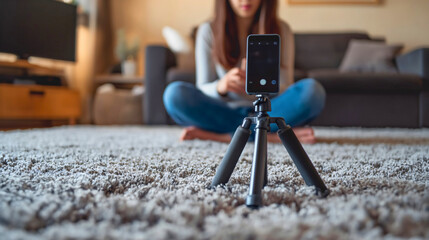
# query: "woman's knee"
[[176, 95], [313, 96]]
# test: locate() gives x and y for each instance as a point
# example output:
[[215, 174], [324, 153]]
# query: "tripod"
[[259, 174]]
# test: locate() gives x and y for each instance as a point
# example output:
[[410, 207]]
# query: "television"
[[39, 28]]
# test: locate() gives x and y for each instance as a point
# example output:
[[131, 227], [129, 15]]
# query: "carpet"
[[86, 182]]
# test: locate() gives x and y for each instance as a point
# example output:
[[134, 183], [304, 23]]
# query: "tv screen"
[[40, 28]]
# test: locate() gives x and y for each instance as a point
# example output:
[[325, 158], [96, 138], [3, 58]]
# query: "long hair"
[[226, 46]]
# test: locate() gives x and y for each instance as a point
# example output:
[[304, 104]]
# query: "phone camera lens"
[[263, 82], [273, 82]]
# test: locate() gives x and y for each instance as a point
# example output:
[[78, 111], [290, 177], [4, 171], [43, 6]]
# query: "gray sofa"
[[353, 99]]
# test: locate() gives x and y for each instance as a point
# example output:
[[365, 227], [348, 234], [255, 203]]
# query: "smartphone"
[[263, 64]]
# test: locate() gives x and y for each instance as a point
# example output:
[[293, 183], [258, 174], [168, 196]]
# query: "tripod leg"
[[230, 159], [266, 171], [254, 199], [301, 159]]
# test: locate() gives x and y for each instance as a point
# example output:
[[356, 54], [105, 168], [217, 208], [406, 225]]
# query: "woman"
[[217, 105]]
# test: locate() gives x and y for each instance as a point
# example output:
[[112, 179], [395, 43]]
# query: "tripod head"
[[262, 105]]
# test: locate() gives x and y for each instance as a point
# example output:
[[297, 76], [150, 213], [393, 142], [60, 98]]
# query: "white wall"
[[399, 21]]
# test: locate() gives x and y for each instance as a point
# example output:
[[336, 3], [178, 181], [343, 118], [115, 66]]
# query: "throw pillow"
[[181, 47], [175, 41], [369, 56]]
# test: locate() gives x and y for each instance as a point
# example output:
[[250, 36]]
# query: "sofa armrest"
[[415, 62], [158, 59]]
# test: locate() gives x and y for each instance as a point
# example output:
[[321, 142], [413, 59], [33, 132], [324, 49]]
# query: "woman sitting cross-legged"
[[217, 105]]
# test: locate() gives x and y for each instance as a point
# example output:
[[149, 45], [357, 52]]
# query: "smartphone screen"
[[263, 64]]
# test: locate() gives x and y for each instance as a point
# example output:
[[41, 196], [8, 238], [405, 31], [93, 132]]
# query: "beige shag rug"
[[89, 182]]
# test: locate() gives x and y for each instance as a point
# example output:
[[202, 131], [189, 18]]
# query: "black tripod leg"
[[254, 199], [238, 142], [266, 171], [301, 159]]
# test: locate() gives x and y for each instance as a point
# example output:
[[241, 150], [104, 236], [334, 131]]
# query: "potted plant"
[[127, 54]]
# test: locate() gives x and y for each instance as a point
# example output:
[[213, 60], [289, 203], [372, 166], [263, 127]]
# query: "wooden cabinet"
[[35, 102], [23, 106]]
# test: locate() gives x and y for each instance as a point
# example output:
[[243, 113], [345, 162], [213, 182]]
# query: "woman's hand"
[[233, 81]]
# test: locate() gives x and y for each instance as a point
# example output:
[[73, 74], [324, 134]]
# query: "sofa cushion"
[[299, 74], [335, 81], [322, 50], [424, 109], [180, 74], [370, 110], [369, 56]]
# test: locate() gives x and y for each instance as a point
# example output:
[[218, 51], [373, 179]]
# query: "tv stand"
[[26, 65], [23, 106]]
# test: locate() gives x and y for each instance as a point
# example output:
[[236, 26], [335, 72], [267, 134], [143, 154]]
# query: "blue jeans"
[[189, 106]]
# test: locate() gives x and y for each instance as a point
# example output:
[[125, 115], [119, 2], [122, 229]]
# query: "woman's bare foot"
[[304, 135], [191, 133]]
